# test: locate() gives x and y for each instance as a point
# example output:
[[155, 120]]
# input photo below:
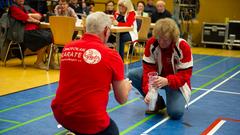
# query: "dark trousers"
[[124, 37], [112, 129]]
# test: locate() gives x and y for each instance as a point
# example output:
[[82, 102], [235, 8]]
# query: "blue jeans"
[[175, 101], [124, 37]]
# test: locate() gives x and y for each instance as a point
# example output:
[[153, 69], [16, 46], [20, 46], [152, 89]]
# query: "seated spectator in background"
[[125, 16], [109, 7], [171, 57], [85, 9], [140, 9], [74, 4], [161, 12], [150, 8], [91, 7], [82, 97], [63, 9], [35, 39]]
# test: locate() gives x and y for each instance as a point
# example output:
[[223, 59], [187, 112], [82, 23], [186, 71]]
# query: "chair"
[[62, 28], [142, 37], [12, 47]]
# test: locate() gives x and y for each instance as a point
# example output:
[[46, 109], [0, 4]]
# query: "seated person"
[[150, 8], [91, 7], [125, 16], [76, 7], [82, 97], [140, 9], [63, 9], [35, 39], [109, 8], [161, 11]]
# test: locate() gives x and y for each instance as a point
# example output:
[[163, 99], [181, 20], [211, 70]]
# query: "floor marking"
[[211, 76], [43, 98], [136, 125], [38, 118], [211, 65], [10, 121], [27, 103], [111, 110], [210, 130], [193, 101], [221, 91], [215, 128], [202, 58], [213, 80], [24, 123]]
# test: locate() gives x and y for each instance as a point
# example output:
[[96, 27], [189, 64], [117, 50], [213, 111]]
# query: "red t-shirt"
[[87, 69]]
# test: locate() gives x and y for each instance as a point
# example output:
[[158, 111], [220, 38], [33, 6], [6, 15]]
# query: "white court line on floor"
[[193, 101], [215, 129], [221, 91]]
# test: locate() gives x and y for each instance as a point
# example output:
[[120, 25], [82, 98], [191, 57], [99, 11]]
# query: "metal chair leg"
[[49, 56], [22, 57], [5, 58]]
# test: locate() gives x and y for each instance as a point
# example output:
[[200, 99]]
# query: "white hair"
[[96, 22]]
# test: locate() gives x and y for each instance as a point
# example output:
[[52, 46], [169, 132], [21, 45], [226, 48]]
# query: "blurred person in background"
[[125, 16], [161, 11], [109, 7], [35, 39], [150, 8], [140, 9]]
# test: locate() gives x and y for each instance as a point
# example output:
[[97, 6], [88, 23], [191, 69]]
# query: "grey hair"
[[96, 22]]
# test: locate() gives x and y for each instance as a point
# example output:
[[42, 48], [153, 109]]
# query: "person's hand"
[[147, 98], [129, 84], [115, 22], [160, 82]]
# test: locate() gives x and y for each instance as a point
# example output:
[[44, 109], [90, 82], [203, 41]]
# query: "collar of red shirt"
[[92, 37]]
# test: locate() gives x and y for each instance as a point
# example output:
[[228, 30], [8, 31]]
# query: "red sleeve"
[[185, 71], [180, 78], [130, 19], [18, 14], [147, 46], [147, 66]]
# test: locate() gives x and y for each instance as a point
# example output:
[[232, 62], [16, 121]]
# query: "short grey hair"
[[96, 22]]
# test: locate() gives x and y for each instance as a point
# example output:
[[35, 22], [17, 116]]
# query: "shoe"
[[160, 105], [54, 66], [40, 65]]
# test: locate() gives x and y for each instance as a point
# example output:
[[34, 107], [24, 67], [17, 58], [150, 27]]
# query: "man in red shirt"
[[171, 57], [88, 68]]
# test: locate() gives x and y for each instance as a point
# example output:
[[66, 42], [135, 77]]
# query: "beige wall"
[[214, 11]]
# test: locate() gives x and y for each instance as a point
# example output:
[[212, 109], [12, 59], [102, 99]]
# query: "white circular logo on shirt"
[[92, 56]]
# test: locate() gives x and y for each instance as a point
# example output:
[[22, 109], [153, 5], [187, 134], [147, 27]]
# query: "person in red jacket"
[[88, 68], [171, 57], [125, 16]]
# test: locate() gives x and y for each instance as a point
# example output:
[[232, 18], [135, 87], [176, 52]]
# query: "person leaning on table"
[[82, 95], [171, 57]]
